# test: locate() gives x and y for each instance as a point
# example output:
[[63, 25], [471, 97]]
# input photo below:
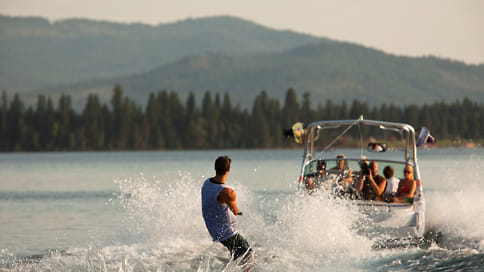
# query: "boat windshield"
[[311, 168], [324, 139]]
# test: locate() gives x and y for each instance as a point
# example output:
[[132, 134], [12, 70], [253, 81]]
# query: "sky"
[[451, 29]]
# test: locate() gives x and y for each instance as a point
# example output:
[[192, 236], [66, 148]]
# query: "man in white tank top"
[[219, 211]]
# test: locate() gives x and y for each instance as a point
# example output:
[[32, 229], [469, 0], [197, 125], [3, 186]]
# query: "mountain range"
[[217, 54]]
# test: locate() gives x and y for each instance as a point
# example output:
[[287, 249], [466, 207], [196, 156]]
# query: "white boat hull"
[[392, 221], [388, 144]]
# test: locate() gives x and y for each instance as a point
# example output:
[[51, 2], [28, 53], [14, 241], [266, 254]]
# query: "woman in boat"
[[406, 187]]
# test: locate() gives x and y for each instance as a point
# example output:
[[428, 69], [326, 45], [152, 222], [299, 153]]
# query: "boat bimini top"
[[320, 137]]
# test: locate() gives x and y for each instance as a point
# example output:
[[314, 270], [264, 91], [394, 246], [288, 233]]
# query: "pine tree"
[[15, 121], [291, 108], [93, 124], [119, 129], [307, 115], [3, 122], [195, 135], [153, 117], [259, 129], [65, 122], [210, 113]]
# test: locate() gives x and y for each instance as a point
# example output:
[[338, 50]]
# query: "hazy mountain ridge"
[[37, 54], [220, 54], [338, 71]]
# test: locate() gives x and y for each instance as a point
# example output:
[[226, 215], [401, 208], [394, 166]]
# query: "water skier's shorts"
[[238, 246]]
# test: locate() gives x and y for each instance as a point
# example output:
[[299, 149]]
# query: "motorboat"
[[347, 145]]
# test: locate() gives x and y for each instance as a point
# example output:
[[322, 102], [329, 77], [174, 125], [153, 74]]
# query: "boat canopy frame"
[[407, 132]]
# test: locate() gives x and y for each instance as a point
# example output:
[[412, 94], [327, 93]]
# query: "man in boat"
[[373, 185], [313, 181], [342, 170], [392, 182], [219, 211]]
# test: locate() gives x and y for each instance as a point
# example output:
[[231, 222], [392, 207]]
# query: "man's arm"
[[378, 188], [228, 196], [362, 181]]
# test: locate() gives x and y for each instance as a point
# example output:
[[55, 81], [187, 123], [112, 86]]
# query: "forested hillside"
[[338, 71], [166, 122], [218, 54], [35, 53]]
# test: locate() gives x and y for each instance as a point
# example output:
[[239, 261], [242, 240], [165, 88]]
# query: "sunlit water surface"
[[140, 211]]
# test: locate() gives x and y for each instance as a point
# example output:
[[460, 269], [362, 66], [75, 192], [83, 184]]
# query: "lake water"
[[140, 211]]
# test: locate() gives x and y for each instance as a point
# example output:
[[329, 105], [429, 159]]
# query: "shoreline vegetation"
[[167, 123], [441, 143]]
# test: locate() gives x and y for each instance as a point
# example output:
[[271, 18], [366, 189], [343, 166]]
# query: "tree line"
[[167, 123]]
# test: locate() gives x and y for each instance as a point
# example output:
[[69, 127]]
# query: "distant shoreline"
[[442, 144], [458, 143]]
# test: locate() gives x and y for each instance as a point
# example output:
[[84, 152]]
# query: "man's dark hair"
[[388, 172], [222, 165], [321, 164]]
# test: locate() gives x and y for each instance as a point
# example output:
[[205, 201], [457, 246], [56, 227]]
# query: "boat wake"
[[455, 220], [163, 230]]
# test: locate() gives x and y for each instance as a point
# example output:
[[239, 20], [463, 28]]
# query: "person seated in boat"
[[406, 187], [392, 182], [372, 184], [364, 170], [342, 170], [313, 181], [363, 163]]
